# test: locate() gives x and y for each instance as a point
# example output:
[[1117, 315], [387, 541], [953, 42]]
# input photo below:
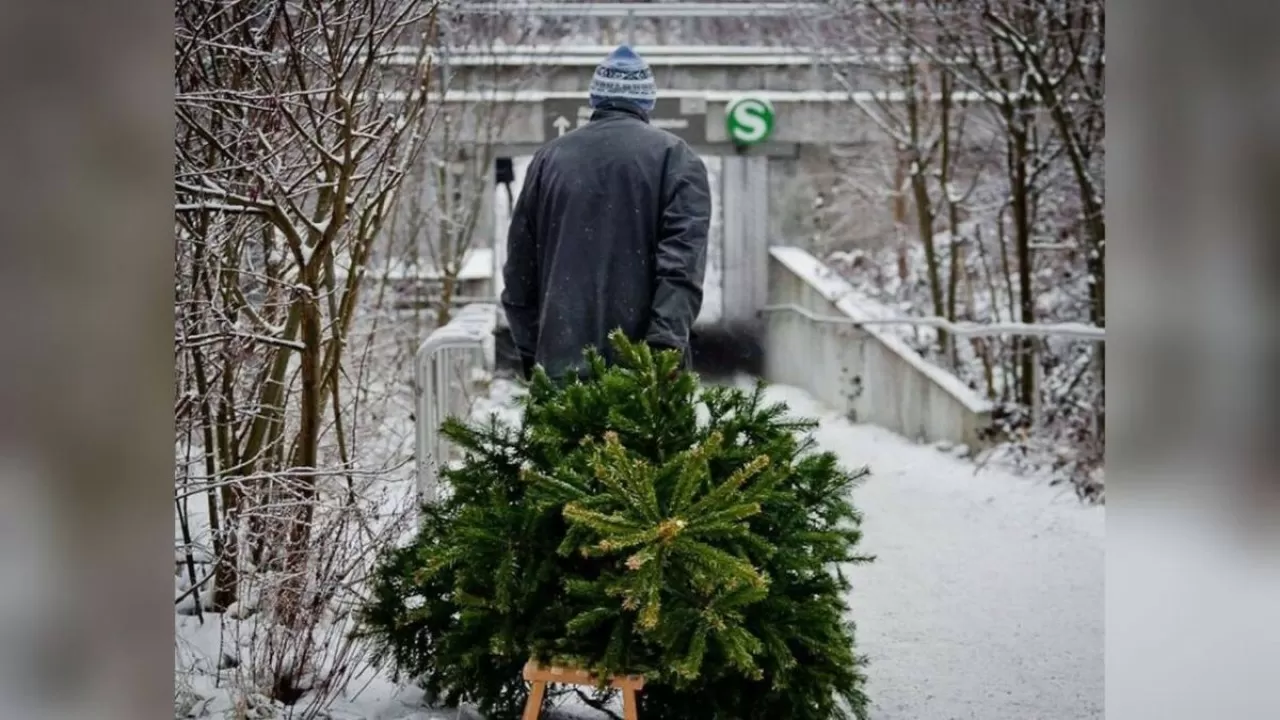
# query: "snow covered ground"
[[986, 597], [985, 601]]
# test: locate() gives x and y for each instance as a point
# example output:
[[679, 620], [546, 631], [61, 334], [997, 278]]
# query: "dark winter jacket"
[[610, 231]]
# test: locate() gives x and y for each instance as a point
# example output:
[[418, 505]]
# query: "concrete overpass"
[[520, 121], [676, 68], [513, 99], [756, 181]]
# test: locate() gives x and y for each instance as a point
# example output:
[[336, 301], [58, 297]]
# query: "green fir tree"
[[635, 523]]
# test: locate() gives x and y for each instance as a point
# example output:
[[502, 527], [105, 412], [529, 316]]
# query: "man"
[[610, 231]]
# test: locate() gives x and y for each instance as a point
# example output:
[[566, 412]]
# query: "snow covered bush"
[[990, 176]]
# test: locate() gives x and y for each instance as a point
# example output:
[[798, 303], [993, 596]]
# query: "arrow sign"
[[685, 117]]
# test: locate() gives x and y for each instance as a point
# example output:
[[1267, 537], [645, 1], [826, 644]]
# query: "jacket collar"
[[618, 108]]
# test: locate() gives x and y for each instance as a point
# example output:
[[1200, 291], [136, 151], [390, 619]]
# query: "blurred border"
[[86, 378], [1193, 556]]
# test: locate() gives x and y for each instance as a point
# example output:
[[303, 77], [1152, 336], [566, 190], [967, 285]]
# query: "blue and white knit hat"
[[624, 75]]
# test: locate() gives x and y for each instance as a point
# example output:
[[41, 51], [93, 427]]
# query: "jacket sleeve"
[[681, 249], [520, 273]]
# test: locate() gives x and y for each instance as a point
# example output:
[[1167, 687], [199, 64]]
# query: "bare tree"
[[444, 211], [1014, 202], [899, 90], [1042, 62], [289, 153]]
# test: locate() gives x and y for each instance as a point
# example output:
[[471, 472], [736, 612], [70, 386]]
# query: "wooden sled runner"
[[540, 676]]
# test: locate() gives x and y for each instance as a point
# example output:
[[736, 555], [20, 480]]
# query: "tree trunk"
[[1020, 197], [923, 203], [924, 220], [953, 213]]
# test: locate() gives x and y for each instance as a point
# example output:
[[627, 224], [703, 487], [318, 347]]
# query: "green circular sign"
[[749, 120]]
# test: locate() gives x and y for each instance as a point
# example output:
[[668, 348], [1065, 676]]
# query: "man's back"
[[610, 232]]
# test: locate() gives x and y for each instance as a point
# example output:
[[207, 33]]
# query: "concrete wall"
[[864, 372]]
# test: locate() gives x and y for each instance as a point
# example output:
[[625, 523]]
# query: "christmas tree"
[[635, 523]]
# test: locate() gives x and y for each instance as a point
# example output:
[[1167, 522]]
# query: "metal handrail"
[[1078, 331]]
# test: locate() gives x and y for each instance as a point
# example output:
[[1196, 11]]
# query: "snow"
[[501, 401], [742, 10], [986, 597], [1063, 440], [858, 307]]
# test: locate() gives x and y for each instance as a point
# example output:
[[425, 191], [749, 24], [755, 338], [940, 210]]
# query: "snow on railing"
[[446, 369]]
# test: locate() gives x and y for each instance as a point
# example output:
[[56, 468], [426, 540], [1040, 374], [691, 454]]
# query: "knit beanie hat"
[[624, 75]]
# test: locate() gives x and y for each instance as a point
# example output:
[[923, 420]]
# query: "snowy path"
[[986, 598]]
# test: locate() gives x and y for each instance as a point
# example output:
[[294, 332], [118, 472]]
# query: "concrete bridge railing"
[[812, 339]]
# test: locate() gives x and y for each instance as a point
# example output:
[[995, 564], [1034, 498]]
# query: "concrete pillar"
[[744, 187]]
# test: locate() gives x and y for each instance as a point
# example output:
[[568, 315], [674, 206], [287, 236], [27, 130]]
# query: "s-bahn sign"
[[685, 117], [749, 120]]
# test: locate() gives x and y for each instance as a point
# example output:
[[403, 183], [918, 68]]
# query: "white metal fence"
[[449, 368]]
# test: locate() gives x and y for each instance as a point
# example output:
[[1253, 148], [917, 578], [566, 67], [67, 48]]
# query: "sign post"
[[684, 117], [749, 120]]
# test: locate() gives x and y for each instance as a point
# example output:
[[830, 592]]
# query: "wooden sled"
[[540, 676]]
